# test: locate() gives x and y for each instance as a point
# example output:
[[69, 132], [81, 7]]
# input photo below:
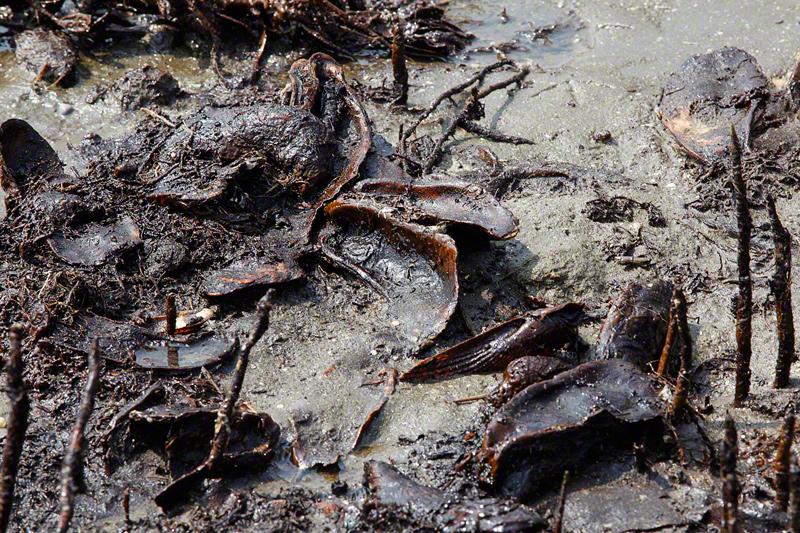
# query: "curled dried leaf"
[[525, 371], [413, 267], [436, 199], [539, 333], [636, 326], [599, 402], [337, 105], [706, 95]]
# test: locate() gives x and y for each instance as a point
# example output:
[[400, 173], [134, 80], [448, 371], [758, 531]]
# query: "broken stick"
[[171, 314], [562, 500], [730, 483], [782, 292], [669, 341], [399, 69], [17, 424], [678, 406], [72, 467], [782, 464], [223, 425], [744, 301]]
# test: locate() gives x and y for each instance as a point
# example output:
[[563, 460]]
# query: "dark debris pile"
[[132, 263]]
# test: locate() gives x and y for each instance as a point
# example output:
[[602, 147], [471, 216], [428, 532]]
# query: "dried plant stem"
[[562, 500], [678, 406], [782, 292], [795, 482], [730, 483], [669, 341], [17, 424], [782, 464], [399, 68], [72, 467], [744, 302], [223, 425], [449, 93], [171, 314]]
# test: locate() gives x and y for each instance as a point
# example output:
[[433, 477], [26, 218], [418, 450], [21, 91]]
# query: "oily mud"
[[310, 319]]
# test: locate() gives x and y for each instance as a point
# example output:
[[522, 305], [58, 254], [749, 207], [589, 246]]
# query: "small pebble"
[[65, 109], [601, 136]]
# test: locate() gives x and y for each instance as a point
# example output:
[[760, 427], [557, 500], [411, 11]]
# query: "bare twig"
[[262, 48], [72, 467], [782, 291], [562, 500], [494, 87], [781, 465], [472, 111], [744, 302], [399, 69], [678, 406], [170, 314], [477, 129], [436, 153], [449, 93], [17, 424], [669, 341], [730, 483], [126, 506], [158, 117], [223, 425]]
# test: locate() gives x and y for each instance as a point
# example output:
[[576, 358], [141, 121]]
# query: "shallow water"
[[599, 68]]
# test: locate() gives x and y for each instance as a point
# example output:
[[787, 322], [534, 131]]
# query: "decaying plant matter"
[[599, 403], [744, 301], [255, 194], [17, 424], [345, 29], [782, 292], [539, 333], [439, 510], [636, 326], [294, 199], [72, 469]]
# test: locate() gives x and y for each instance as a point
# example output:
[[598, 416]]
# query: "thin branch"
[[17, 424], [223, 425], [781, 465], [782, 292], [744, 302], [730, 483], [562, 500], [72, 468], [449, 93]]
